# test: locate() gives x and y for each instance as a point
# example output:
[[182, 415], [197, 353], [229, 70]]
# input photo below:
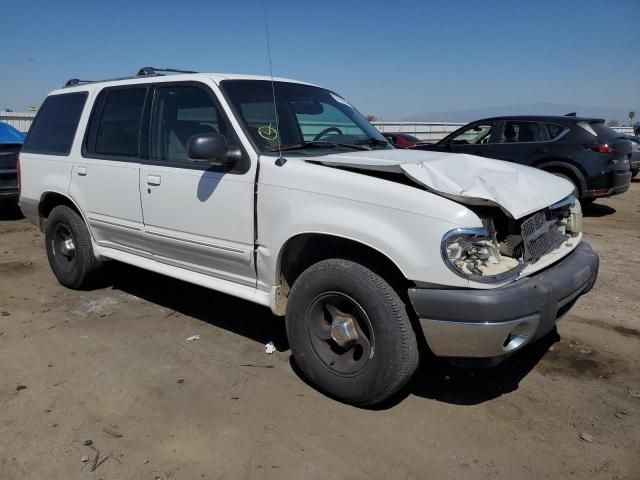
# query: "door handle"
[[82, 171], [153, 180]]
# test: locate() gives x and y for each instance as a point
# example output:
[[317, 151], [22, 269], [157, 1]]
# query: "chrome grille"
[[540, 234]]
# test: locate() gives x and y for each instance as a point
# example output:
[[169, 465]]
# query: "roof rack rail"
[[143, 72], [76, 81], [150, 71]]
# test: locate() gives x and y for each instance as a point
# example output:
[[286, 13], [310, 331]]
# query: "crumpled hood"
[[467, 179]]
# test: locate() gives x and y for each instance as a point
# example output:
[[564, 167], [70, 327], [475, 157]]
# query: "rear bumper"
[[619, 183], [497, 322], [8, 183], [9, 194], [31, 210]]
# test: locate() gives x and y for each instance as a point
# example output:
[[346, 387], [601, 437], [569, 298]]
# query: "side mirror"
[[212, 147]]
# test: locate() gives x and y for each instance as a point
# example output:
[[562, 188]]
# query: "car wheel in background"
[[350, 333], [69, 249], [576, 189]]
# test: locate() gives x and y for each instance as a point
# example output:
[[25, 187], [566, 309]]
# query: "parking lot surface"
[[113, 366]]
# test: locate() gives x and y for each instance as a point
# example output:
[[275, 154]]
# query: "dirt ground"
[[113, 366]]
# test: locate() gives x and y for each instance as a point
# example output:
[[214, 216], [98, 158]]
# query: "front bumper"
[[492, 323]]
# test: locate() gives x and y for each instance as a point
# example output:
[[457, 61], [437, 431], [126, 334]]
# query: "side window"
[[118, 133], [555, 130], [55, 126], [179, 113], [518, 132], [114, 129], [475, 135]]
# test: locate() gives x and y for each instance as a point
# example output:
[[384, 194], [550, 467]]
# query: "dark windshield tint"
[[55, 124], [305, 113]]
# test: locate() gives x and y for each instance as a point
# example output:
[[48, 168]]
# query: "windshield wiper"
[[371, 141], [316, 144]]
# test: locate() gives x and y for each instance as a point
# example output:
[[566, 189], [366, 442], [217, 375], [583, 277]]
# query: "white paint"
[[209, 241]]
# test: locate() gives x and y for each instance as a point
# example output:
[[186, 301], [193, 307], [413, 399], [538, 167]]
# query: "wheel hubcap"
[[340, 333], [343, 328], [64, 247], [68, 248]]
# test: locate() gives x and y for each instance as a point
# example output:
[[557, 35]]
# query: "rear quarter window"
[[55, 125], [555, 131]]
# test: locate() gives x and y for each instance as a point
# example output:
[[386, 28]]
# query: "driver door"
[[477, 139], [198, 216]]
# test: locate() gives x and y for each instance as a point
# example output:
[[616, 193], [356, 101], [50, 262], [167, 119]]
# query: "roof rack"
[[151, 71], [143, 72]]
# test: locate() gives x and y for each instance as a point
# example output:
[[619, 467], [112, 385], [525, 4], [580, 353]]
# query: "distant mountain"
[[608, 113]]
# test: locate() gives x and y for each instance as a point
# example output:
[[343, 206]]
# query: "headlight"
[[473, 254]]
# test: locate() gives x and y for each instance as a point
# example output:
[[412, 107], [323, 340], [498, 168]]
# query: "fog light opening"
[[514, 341], [520, 335]]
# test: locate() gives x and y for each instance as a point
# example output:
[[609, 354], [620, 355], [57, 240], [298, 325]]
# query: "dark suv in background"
[[594, 157], [10, 144]]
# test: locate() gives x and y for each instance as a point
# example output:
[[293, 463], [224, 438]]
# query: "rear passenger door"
[[105, 180], [522, 141], [198, 216]]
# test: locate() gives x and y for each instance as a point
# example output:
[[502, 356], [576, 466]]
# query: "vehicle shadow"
[[9, 211], [435, 379], [224, 311], [597, 210], [439, 380]]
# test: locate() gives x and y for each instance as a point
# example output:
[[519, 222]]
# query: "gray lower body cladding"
[[491, 323], [31, 210]]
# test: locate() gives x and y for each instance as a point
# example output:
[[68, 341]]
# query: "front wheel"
[[350, 333]]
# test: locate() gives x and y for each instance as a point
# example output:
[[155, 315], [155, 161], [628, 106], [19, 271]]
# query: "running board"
[[223, 286]]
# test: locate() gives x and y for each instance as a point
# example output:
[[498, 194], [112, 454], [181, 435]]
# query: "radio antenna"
[[280, 161]]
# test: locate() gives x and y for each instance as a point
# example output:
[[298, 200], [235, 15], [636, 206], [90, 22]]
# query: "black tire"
[[74, 265], [576, 188], [382, 320]]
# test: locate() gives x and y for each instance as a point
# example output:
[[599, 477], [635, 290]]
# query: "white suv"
[[281, 193]]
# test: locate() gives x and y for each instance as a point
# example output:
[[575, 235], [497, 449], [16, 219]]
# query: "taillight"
[[601, 148], [18, 174]]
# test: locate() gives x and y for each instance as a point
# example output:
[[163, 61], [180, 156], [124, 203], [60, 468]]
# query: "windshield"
[[305, 114]]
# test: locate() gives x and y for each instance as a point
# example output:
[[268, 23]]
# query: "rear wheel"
[[69, 249], [576, 189], [350, 333]]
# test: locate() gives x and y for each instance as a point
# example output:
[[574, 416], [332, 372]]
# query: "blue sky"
[[392, 59]]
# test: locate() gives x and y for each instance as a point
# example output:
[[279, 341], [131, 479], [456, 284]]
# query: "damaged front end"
[[504, 247]]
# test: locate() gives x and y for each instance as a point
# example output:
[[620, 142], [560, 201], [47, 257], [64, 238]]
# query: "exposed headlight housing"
[[474, 254]]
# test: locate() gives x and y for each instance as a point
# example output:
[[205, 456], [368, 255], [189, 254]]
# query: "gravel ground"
[[113, 366]]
